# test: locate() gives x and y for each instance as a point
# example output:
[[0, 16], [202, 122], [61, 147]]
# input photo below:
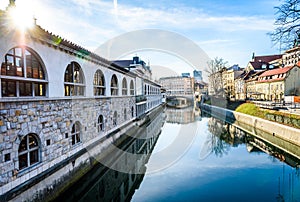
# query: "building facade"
[[228, 78], [178, 86], [57, 99], [291, 56]]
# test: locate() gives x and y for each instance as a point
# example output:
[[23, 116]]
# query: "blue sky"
[[229, 29]]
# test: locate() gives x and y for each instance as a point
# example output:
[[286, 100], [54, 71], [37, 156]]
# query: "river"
[[194, 158]]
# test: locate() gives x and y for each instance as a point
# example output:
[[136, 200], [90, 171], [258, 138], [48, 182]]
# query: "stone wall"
[[286, 133], [51, 121]]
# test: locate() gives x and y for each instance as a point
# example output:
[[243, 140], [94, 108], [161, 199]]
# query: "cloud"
[[91, 23], [187, 18], [215, 41], [132, 17]]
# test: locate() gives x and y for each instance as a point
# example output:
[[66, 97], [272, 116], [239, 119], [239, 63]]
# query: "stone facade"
[[139, 142], [56, 100], [51, 121]]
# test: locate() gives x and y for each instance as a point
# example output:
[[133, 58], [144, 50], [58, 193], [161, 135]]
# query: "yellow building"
[[228, 78], [275, 84]]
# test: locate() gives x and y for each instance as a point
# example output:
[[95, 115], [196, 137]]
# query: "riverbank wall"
[[286, 133]]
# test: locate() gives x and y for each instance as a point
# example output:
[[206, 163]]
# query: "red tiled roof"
[[276, 71]]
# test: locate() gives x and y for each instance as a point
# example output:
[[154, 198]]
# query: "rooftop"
[[276, 71], [267, 58]]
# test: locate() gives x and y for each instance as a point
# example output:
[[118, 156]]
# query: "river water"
[[196, 158]]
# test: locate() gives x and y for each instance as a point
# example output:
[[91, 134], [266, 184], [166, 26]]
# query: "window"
[[132, 111], [99, 83], [7, 157], [131, 88], [74, 80], [124, 87], [28, 151], [114, 85], [22, 74], [125, 114], [75, 133], [100, 123], [145, 90], [115, 118]]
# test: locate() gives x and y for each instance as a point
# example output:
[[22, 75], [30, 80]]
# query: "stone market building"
[[57, 99]]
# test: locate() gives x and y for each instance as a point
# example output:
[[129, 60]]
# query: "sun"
[[22, 16]]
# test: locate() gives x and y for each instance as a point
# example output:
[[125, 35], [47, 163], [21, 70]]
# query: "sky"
[[227, 29]]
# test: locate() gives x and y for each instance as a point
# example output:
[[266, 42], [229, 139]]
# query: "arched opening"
[[22, 74], [125, 114], [29, 151], [76, 133], [99, 83], [74, 80], [115, 119], [100, 123], [131, 88], [132, 111], [114, 90], [124, 86]]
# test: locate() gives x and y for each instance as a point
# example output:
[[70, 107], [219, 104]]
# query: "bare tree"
[[287, 23], [214, 70]]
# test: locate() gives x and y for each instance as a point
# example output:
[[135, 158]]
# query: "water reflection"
[[223, 163], [107, 184], [183, 115], [223, 134], [222, 166]]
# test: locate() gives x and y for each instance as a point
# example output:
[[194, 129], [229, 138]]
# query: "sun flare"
[[22, 16]]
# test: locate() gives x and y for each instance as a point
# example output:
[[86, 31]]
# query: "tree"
[[287, 23], [214, 70]]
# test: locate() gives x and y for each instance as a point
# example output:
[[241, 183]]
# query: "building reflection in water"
[[106, 184], [223, 136], [182, 115]]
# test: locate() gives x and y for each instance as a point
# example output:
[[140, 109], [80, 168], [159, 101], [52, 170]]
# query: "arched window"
[[124, 87], [115, 119], [22, 74], [74, 80], [28, 152], [132, 111], [99, 83], [131, 88], [125, 114], [114, 85], [100, 124], [75, 133]]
